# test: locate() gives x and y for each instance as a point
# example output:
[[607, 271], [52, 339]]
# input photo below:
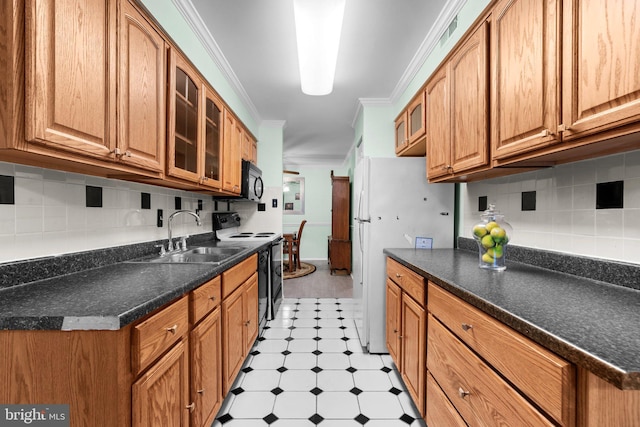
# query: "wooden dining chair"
[[295, 246]]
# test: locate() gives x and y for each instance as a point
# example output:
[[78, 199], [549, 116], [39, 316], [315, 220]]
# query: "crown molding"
[[449, 11], [368, 102], [274, 123], [194, 20]]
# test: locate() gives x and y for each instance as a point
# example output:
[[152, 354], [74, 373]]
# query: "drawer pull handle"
[[173, 329], [201, 391], [466, 327], [398, 275], [191, 406], [462, 393]]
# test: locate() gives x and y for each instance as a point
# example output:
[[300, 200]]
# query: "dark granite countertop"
[[594, 324], [105, 298]]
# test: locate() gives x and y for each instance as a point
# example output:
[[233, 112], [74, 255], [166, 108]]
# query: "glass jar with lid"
[[492, 234]]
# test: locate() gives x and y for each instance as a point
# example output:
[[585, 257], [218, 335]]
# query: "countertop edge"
[[623, 380], [123, 319]]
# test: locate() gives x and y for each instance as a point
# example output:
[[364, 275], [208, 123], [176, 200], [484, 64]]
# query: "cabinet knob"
[[173, 329], [562, 127], [201, 391], [247, 323], [462, 393], [466, 327], [212, 298], [398, 275], [191, 406]]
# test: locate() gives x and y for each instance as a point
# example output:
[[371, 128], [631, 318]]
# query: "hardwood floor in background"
[[319, 284]]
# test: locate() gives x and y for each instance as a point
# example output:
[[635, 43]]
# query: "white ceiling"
[[383, 43]]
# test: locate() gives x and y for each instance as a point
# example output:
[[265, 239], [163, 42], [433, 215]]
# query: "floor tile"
[[298, 380], [366, 361], [372, 380], [302, 346], [267, 361], [252, 404], [272, 346], [305, 323], [260, 380], [305, 333], [310, 370], [301, 361], [295, 404], [377, 404], [337, 404], [335, 380], [333, 361], [332, 346]]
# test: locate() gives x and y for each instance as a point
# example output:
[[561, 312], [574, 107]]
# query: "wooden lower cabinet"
[[164, 370], [239, 328], [414, 344], [206, 369], [339, 255], [160, 397], [406, 329]]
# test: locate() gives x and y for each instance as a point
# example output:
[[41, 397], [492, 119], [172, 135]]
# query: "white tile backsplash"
[[50, 218], [565, 218]]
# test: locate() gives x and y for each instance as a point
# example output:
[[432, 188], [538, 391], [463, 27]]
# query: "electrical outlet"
[[274, 203], [159, 218]]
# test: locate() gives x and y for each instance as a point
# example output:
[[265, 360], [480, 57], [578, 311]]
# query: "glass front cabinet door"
[[212, 174], [184, 132]]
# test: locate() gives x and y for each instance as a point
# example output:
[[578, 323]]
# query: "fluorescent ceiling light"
[[318, 27]]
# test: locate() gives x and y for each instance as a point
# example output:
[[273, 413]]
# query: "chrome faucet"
[[170, 245]]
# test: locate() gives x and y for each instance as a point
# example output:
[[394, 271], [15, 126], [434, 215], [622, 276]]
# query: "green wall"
[[317, 181]]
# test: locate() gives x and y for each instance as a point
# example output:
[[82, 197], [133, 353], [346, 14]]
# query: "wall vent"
[[449, 31]]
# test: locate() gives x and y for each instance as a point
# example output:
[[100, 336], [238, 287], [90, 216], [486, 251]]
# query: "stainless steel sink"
[[198, 255]]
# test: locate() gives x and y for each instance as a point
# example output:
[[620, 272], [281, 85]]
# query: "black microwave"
[[251, 186]]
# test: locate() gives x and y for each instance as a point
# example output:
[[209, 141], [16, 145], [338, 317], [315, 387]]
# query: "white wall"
[[565, 218]]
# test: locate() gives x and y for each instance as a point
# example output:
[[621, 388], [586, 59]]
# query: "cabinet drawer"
[[479, 394], [156, 334], [238, 274], [526, 364], [440, 412], [204, 299], [410, 282]]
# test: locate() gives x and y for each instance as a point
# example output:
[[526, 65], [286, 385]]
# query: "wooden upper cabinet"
[[526, 84], [469, 103], [142, 76], [232, 157], [601, 84], [457, 116], [415, 118], [410, 126], [402, 139], [70, 89], [438, 125], [249, 148], [185, 107], [212, 147]]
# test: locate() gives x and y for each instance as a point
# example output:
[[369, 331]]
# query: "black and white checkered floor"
[[308, 368]]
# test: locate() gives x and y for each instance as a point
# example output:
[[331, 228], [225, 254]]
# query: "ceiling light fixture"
[[318, 27]]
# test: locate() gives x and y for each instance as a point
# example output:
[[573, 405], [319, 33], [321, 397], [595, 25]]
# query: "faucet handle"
[[183, 242]]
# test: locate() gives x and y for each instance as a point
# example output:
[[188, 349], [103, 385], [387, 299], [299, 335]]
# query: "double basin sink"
[[198, 255]]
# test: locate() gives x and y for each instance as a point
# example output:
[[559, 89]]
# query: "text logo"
[[34, 415]]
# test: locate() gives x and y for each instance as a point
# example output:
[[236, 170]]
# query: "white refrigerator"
[[393, 204]]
